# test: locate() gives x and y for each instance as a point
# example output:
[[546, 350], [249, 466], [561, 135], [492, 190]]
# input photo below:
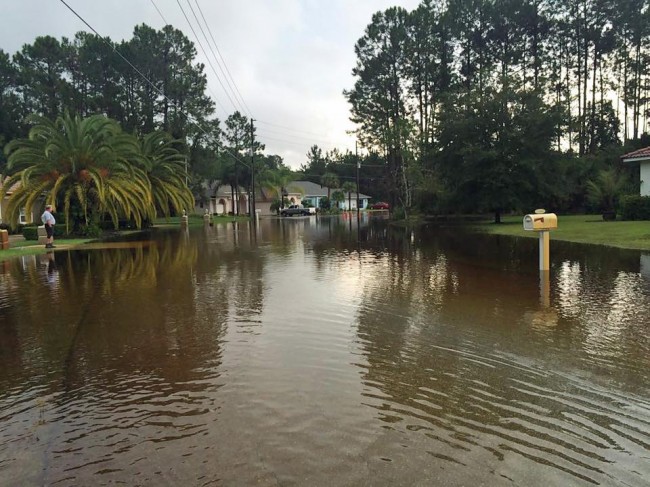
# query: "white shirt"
[[47, 218]]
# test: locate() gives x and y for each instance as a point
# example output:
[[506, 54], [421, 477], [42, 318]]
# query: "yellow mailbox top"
[[540, 221]]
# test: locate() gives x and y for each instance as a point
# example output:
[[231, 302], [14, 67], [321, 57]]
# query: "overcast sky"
[[290, 59]]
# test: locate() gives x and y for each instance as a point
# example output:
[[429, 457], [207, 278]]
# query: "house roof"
[[637, 155], [12, 188], [304, 188], [313, 189]]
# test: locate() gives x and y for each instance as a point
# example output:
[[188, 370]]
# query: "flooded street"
[[318, 352]]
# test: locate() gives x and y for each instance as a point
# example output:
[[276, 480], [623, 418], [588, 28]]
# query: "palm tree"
[[329, 180], [338, 196], [86, 164], [606, 191], [164, 166], [277, 180], [348, 187]]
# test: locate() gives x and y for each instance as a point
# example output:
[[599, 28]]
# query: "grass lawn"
[[32, 247], [193, 220], [589, 229]]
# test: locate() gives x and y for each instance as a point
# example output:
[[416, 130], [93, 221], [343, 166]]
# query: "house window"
[[23, 216]]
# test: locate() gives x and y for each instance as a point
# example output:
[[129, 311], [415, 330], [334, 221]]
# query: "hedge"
[[634, 207], [30, 232], [12, 231]]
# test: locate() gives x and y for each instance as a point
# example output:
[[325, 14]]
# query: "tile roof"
[[313, 189], [304, 188], [637, 154]]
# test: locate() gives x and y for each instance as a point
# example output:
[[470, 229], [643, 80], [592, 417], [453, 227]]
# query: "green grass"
[[31, 247], [195, 220], [589, 229]]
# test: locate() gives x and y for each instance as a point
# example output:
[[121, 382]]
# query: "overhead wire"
[[237, 105], [286, 128], [198, 40], [260, 135], [189, 117], [312, 139], [250, 113], [228, 76], [159, 12]]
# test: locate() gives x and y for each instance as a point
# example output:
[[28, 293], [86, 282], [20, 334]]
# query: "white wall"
[[645, 178]]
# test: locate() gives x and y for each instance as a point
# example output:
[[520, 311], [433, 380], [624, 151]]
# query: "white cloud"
[[291, 59]]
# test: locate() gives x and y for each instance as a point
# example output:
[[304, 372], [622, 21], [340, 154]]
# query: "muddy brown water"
[[322, 352]]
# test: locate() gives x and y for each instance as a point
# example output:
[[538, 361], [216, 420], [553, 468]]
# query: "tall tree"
[[86, 166]]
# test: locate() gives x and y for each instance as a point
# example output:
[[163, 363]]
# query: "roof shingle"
[[643, 153]]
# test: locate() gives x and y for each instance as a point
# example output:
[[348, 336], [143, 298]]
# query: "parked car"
[[380, 205], [297, 210]]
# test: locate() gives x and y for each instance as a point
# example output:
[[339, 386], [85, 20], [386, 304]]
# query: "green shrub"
[[91, 230], [324, 203], [30, 233], [634, 207], [398, 213], [12, 231]]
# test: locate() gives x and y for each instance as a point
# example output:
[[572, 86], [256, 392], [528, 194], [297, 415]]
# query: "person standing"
[[48, 220]]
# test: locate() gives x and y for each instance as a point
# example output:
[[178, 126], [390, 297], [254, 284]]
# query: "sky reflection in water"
[[314, 351]]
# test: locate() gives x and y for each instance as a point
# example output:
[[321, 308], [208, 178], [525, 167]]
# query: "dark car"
[[380, 205], [297, 210]]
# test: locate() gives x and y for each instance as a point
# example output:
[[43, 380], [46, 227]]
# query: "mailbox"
[[540, 221], [4, 239]]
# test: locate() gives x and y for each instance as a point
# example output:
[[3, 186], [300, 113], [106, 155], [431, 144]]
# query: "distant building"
[[313, 193], [219, 198], [25, 216], [642, 156]]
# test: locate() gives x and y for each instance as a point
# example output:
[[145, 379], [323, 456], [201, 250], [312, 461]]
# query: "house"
[[219, 198], [25, 216], [221, 202], [313, 193], [642, 156]]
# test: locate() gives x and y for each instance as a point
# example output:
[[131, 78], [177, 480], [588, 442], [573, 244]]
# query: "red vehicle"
[[380, 205]]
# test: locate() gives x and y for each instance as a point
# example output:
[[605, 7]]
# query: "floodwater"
[[318, 352]]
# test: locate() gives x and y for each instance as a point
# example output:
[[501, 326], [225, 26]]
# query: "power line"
[[294, 138], [198, 22], [287, 128], [160, 13], [198, 40], [216, 98], [311, 139], [188, 117], [237, 92]]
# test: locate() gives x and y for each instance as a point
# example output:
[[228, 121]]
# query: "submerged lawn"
[[590, 229], [194, 220], [31, 247]]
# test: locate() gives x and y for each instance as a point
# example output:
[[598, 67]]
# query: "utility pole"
[[358, 167], [236, 202], [252, 170]]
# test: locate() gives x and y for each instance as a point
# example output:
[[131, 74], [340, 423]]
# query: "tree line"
[[461, 106], [494, 105], [85, 76]]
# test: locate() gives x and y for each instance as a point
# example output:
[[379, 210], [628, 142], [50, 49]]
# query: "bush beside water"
[[30, 232], [633, 207]]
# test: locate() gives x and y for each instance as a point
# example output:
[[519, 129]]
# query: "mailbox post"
[[542, 223]]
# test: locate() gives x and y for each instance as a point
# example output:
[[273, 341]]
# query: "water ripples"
[[464, 402], [300, 356]]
